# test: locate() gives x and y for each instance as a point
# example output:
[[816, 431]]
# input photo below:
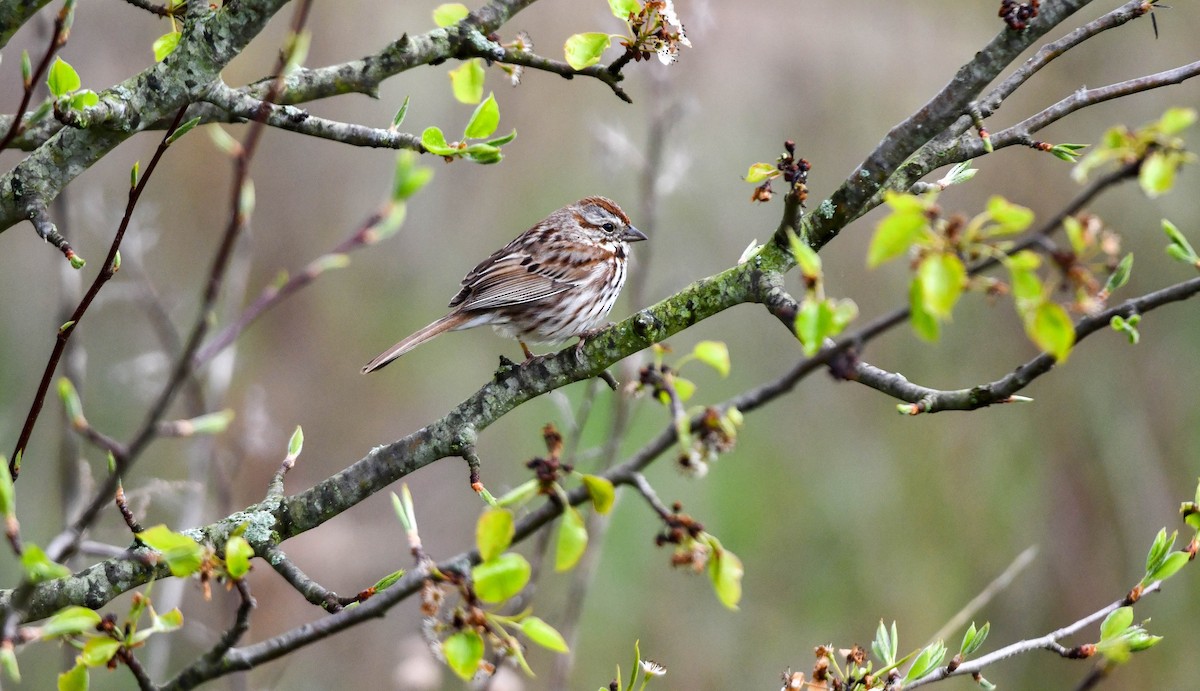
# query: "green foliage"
[[760, 172], [571, 541], [63, 79], [295, 443], [907, 223], [8, 496], [450, 14], [543, 634], [238, 554], [584, 50], [182, 554], [165, 45], [501, 578], [466, 81], [39, 568], [1127, 327], [602, 493], [928, 660], [1120, 637], [973, 639], [464, 651], [1179, 249], [70, 621], [725, 570], [1157, 145], [493, 533], [482, 125], [886, 644]]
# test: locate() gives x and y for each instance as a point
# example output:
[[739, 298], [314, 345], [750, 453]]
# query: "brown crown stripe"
[[607, 204]]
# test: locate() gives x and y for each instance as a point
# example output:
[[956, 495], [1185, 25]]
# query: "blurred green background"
[[843, 512]]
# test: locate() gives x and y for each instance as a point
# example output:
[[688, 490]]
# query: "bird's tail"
[[450, 322]]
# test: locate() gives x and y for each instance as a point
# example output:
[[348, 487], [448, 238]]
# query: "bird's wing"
[[513, 278]]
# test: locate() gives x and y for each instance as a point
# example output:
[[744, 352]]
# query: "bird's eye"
[[608, 227]]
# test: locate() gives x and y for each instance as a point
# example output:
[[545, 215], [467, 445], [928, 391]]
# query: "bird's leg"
[[583, 339], [529, 356]]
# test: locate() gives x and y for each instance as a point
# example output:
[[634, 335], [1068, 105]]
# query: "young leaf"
[[725, 570], [409, 177], [1169, 567], [584, 50], [761, 171], [519, 494], [63, 78], [544, 634], [463, 651], [165, 45], [1050, 328], [1127, 327], [182, 554], [39, 568], [1010, 217], [238, 553], [884, 645], [601, 492], [70, 621], [572, 540], [388, 581], [399, 117], [1157, 174], [1176, 120], [896, 233], [1116, 622], [1120, 276], [183, 129], [806, 257], [924, 324], [973, 639], [8, 497], [484, 120], [715, 354], [435, 142], [493, 533], [927, 661], [449, 14], [466, 81], [74, 679], [942, 278], [621, 9], [814, 322], [98, 651], [1074, 230], [501, 578]]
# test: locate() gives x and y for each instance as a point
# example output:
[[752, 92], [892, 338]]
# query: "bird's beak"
[[632, 234]]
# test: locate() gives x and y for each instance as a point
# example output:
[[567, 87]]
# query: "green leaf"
[[8, 495], [39, 568], [165, 45], [8, 663], [211, 423], [544, 635], [26, 69], [409, 177], [761, 171], [885, 644], [84, 98], [98, 651], [1075, 236], [238, 554], [63, 78], [927, 661], [621, 9], [1027, 288], [715, 354], [1010, 217], [1170, 566], [501, 141], [584, 50], [974, 639], [450, 14], [1116, 622], [493, 533], [897, 232], [483, 153], [806, 257], [1127, 327], [466, 81], [484, 120], [463, 651], [1159, 549], [1157, 174], [1120, 276], [74, 679], [398, 119], [1176, 120], [435, 142], [1050, 328], [183, 129], [942, 278], [602, 493], [725, 570], [572, 540], [70, 621], [501, 578], [171, 621], [814, 322], [924, 324], [1179, 248], [182, 554], [519, 494], [389, 580], [296, 443]]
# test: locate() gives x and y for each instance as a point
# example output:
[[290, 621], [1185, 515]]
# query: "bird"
[[555, 281]]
